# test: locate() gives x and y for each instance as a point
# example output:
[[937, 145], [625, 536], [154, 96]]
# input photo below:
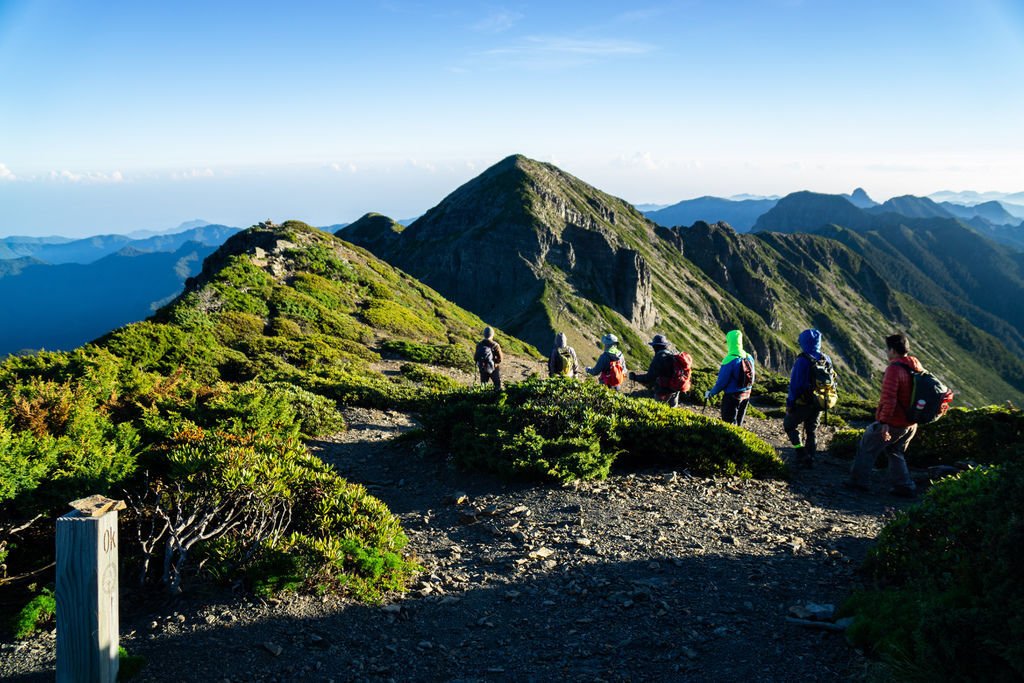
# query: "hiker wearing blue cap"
[[611, 364]]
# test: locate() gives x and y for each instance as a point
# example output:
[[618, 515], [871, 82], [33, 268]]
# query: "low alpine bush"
[[945, 601], [985, 435], [40, 609], [560, 429]]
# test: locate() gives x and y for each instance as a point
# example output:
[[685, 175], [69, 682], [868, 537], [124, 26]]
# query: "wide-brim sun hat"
[[659, 340], [609, 339]]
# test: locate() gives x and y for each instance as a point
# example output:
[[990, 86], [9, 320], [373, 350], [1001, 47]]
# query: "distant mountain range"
[[63, 293], [536, 251], [740, 214], [937, 259], [60, 250], [62, 306], [991, 218]]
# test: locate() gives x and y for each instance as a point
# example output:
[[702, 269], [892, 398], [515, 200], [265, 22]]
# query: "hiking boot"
[[903, 492], [856, 486]]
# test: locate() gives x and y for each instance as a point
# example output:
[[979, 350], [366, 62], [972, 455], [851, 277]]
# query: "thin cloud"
[[497, 22], [343, 167], [643, 160], [421, 165], [88, 177], [562, 52], [193, 174], [5, 173]]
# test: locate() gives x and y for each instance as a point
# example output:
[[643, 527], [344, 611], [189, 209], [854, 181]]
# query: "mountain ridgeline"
[[537, 251]]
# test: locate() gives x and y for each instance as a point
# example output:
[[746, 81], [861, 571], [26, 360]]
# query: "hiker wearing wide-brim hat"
[[611, 364], [669, 372]]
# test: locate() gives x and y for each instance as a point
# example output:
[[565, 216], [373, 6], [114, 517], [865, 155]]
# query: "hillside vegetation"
[[199, 413]]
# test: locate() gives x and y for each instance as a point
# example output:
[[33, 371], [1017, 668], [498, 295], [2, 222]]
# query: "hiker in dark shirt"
[[610, 367], [563, 361], [661, 372], [735, 380], [802, 408], [488, 359]]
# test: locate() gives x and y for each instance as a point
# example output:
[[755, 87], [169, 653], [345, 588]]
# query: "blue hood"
[[810, 342]]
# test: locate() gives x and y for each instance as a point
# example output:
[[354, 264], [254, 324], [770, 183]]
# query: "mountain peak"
[[860, 199]]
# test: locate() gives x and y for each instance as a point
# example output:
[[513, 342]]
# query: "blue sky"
[[117, 116]]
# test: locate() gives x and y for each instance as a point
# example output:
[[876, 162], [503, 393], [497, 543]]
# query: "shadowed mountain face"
[[538, 251]]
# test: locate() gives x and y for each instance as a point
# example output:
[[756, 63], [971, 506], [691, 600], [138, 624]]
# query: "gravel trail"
[[648, 576]]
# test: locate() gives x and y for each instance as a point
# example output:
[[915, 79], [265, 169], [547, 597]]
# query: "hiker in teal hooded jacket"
[[610, 367], [801, 406], [735, 380]]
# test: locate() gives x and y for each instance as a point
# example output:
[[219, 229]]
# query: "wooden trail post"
[[87, 592]]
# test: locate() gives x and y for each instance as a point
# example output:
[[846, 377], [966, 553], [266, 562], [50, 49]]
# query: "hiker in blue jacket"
[[735, 380], [801, 406]]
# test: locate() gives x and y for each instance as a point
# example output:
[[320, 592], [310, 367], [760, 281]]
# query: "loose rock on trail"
[[652, 575]]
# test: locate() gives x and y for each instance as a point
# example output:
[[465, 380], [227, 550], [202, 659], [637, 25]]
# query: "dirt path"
[[654, 575]]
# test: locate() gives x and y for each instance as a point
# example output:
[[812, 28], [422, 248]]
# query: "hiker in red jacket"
[[891, 431]]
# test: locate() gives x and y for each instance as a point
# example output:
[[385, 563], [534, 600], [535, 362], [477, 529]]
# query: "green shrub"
[[429, 379], [561, 429], [232, 327], [391, 316], [129, 665], [986, 435], [853, 408], [40, 609], [844, 443], [370, 390], [265, 494], [946, 601], [321, 260], [316, 415], [450, 355]]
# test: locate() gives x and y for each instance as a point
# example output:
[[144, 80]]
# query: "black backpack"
[[929, 397], [485, 358]]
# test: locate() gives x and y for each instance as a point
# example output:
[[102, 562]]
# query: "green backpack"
[[563, 361]]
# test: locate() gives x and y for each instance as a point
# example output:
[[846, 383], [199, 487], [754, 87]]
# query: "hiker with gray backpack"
[[669, 372], [563, 361], [812, 390], [488, 359]]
